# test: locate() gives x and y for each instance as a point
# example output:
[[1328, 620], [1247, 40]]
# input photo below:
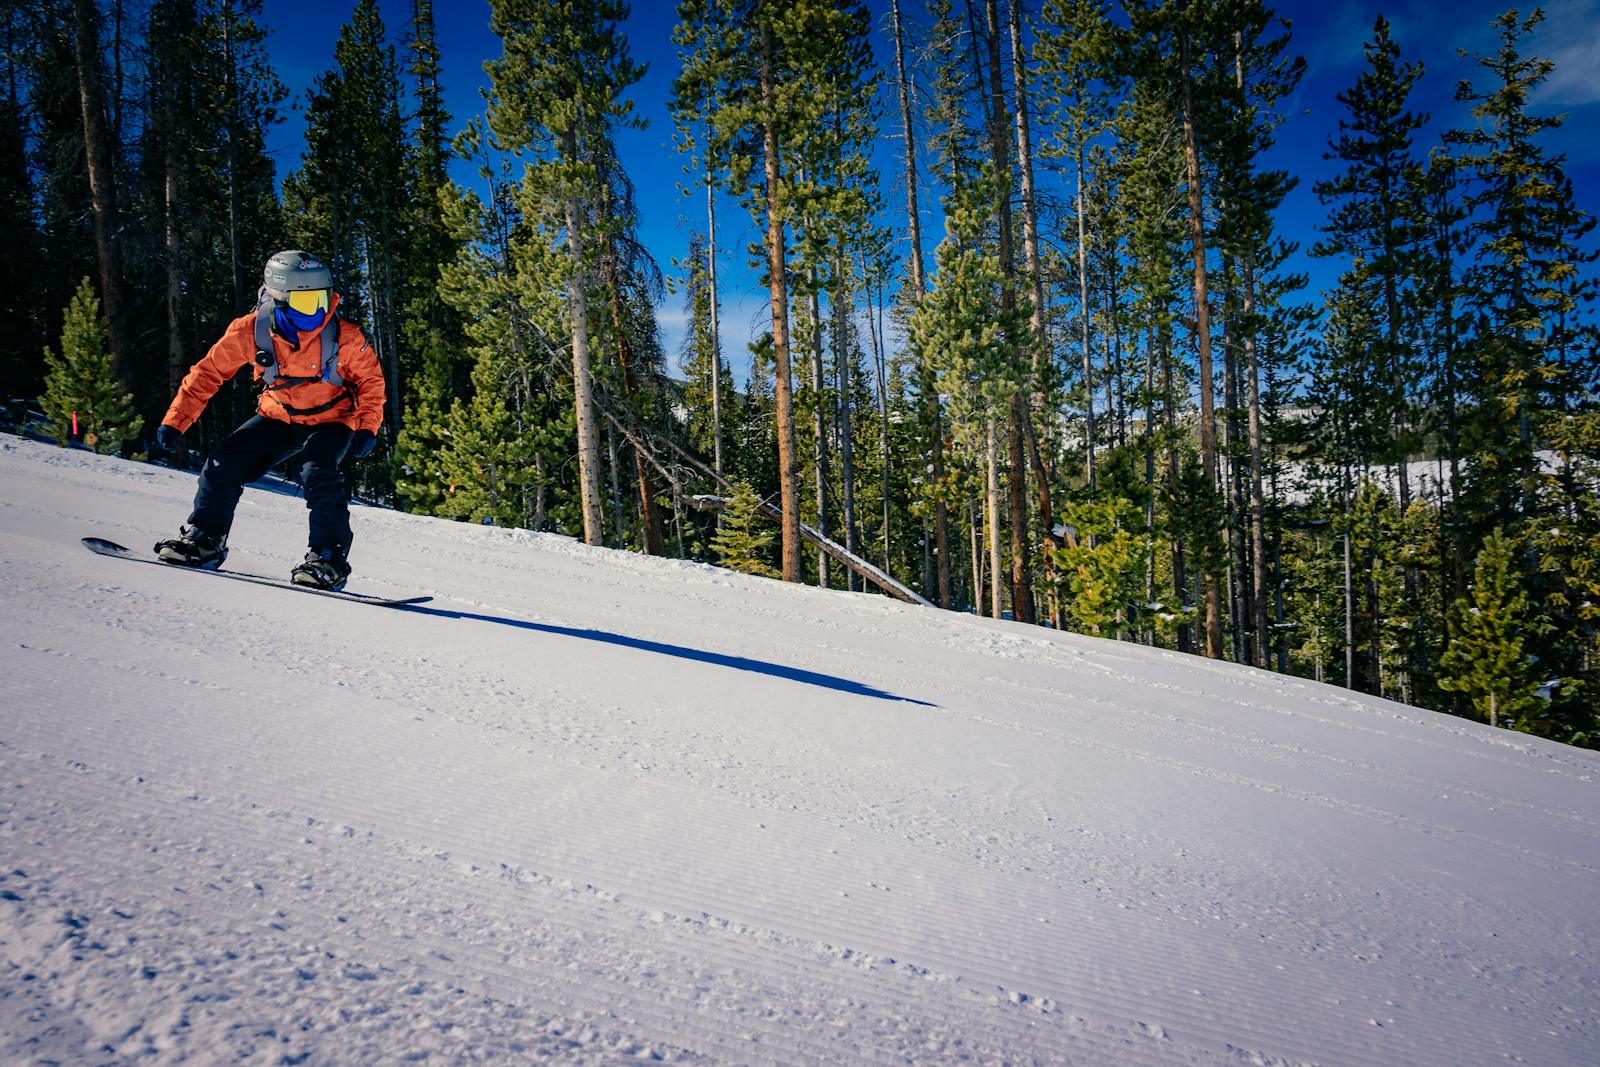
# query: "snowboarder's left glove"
[[168, 437], [362, 444]]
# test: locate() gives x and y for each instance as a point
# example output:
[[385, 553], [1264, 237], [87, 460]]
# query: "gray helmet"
[[294, 270]]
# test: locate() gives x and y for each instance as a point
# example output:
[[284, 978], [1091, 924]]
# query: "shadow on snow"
[[741, 663]]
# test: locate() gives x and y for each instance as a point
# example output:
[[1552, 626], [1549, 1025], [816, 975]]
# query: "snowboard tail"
[[101, 546]]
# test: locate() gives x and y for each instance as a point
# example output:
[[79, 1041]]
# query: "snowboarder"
[[322, 397]]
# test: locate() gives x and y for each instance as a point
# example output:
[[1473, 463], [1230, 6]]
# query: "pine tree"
[[929, 417], [1073, 51], [1376, 221], [81, 385], [430, 330], [1486, 660], [710, 399], [743, 541], [55, 157], [557, 92], [22, 290], [505, 284], [972, 335], [1264, 75], [347, 202], [1172, 46], [1103, 565], [752, 95], [1524, 280], [101, 151]]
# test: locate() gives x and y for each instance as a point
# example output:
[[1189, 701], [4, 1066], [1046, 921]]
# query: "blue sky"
[[1329, 36]]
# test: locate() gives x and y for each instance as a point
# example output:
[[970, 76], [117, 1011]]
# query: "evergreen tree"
[[1486, 660], [743, 541], [1524, 280], [102, 152], [1103, 565], [81, 386], [1173, 45], [1264, 76], [753, 93], [23, 299], [346, 201], [204, 210], [557, 92], [508, 443], [431, 333], [971, 335], [55, 157], [1148, 169], [701, 359], [1074, 48], [1376, 221]]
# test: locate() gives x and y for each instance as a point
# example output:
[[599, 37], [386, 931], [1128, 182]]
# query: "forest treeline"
[[1104, 401]]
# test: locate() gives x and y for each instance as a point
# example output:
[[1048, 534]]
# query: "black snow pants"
[[258, 446]]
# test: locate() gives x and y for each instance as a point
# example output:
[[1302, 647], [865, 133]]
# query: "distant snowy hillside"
[[594, 806]]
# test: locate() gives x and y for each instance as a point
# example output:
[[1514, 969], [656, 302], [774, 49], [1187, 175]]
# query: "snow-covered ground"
[[592, 806]]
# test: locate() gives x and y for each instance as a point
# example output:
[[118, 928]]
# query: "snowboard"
[[103, 547]]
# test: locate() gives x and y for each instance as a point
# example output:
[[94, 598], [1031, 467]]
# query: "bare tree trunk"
[[1258, 522], [1180, 577], [102, 186], [1148, 440], [177, 348], [649, 514], [114, 100], [611, 274], [619, 520], [1258, 512], [941, 518], [1232, 477], [991, 455], [379, 300], [1117, 402], [844, 367], [582, 380], [819, 427], [1021, 579], [716, 344], [974, 543], [391, 330], [880, 376], [1031, 264], [1349, 612], [231, 155], [1202, 314], [789, 498], [1089, 472]]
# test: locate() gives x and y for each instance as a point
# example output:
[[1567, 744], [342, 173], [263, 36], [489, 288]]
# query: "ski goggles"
[[308, 301]]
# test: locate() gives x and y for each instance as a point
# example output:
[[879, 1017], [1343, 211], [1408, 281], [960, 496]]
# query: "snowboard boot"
[[323, 568], [193, 547]]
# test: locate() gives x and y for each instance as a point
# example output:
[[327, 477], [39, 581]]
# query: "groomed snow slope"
[[594, 806]]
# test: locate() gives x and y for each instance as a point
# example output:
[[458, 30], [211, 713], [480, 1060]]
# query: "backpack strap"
[[267, 357]]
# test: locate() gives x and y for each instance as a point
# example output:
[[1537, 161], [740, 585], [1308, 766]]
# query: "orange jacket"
[[361, 408]]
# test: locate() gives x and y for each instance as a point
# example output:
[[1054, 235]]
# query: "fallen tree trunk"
[[860, 566]]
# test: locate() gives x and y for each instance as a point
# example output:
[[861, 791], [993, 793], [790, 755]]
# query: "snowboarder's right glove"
[[168, 437], [362, 444]]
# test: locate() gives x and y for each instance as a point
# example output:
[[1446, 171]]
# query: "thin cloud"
[[1570, 36]]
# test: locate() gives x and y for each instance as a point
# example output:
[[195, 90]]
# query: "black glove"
[[361, 445], [168, 438]]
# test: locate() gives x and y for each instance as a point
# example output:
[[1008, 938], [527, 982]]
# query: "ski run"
[[592, 807]]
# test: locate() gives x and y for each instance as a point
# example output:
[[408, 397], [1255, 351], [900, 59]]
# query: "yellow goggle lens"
[[308, 301]]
